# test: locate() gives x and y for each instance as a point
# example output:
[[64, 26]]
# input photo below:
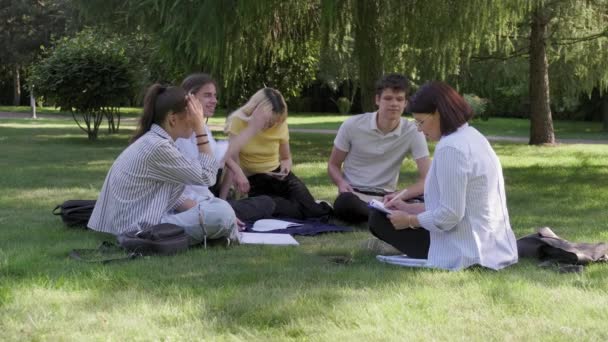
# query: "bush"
[[89, 76], [478, 104], [343, 105]]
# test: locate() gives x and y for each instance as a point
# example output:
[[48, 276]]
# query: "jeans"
[[211, 219]]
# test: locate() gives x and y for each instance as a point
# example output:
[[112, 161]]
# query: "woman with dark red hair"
[[464, 220]]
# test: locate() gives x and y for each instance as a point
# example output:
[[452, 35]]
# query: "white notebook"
[[266, 225], [402, 260], [267, 239], [375, 204]]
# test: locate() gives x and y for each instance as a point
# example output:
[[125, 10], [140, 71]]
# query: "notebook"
[[266, 225], [375, 204], [402, 260], [267, 239]]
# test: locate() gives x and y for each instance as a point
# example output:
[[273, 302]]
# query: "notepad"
[[375, 204], [267, 225], [267, 239], [402, 260]]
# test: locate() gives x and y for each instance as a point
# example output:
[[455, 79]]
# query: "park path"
[[10, 115]]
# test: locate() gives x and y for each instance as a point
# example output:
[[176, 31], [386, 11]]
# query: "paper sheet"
[[267, 239]]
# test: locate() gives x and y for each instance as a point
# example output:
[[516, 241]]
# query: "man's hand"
[[345, 187]]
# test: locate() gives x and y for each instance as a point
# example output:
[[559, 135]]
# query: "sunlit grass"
[[286, 293]]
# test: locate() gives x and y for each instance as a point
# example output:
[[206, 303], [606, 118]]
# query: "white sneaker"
[[380, 247]]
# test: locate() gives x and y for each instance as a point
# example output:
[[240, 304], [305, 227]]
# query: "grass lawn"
[[286, 293], [495, 126]]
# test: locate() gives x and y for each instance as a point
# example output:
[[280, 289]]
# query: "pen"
[[399, 195]]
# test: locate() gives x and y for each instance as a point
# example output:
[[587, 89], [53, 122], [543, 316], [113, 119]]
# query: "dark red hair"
[[453, 110]]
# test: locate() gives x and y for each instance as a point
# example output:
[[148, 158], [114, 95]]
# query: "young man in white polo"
[[369, 150]]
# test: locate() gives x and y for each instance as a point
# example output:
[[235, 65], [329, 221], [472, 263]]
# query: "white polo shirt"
[[374, 159]]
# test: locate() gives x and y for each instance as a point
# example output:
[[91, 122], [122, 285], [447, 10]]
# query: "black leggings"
[[413, 242], [290, 195]]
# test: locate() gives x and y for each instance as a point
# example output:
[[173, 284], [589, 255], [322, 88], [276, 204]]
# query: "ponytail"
[[159, 102]]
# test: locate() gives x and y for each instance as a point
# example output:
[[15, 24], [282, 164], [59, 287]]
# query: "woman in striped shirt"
[[464, 220], [145, 185]]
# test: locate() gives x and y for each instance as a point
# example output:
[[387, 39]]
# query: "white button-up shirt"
[[146, 181], [465, 205]]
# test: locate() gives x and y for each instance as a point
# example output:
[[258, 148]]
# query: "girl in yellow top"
[[265, 160]]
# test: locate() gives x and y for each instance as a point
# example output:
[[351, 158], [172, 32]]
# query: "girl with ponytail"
[[145, 185]]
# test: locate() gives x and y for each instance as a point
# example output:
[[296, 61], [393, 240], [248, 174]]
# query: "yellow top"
[[261, 153]]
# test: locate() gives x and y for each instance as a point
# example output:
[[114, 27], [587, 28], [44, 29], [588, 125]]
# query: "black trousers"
[[290, 195], [253, 208], [413, 242], [349, 208]]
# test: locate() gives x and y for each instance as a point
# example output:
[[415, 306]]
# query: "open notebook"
[[266, 225]]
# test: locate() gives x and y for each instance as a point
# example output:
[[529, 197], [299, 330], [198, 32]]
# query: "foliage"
[[343, 105], [88, 75], [26, 26], [478, 104]]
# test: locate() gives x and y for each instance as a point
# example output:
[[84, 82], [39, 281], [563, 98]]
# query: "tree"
[[88, 75], [564, 46], [25, 26]]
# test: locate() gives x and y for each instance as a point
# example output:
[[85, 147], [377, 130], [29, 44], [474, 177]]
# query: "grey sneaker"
[[380, 247]]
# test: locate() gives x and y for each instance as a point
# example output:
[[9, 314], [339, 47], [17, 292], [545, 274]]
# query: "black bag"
[[75, 213], [163, 239]]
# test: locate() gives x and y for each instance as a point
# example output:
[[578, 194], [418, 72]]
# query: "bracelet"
[[201, 135], [202, 143], [409, 222]]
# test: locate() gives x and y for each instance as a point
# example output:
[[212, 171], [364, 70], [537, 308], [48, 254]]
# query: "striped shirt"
[[146, 181], [465, 205]]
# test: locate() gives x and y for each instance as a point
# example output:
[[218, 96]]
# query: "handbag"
[[75, 213]]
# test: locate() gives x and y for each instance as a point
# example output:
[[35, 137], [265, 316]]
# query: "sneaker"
[[325, 203], [380, 247]]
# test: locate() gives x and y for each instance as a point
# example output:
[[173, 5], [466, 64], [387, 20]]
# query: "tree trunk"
[[604, 109], [16, 85], [368, 50], [541, 122]]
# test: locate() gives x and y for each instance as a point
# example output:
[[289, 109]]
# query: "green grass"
[[286, 293], [495, 126]]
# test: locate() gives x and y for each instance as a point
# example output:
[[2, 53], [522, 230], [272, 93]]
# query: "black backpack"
[[162, 239], [75, 213]]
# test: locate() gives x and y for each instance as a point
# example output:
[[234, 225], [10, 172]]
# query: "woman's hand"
[[195, 112], [400, 220], [286, 166], [241, 182], [260, 118], [410, 208]]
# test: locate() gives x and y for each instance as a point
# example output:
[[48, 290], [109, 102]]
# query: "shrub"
[[89, 76], [343, 105], [478, 104]]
